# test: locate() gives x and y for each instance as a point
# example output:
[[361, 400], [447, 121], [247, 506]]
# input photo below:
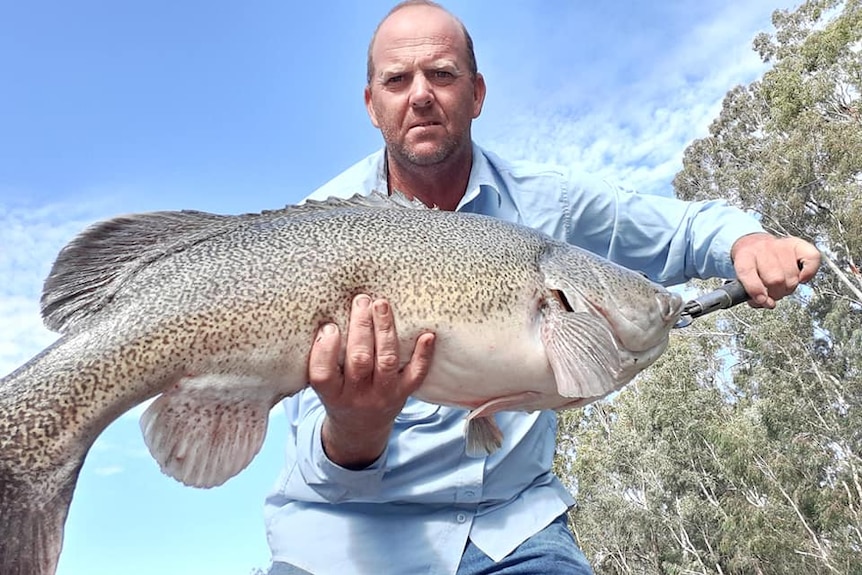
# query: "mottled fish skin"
[[215, 315]]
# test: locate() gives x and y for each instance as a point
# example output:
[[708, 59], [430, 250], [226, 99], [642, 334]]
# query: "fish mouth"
[[671, 306]]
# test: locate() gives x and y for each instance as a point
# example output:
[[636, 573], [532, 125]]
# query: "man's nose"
[[421, 93]]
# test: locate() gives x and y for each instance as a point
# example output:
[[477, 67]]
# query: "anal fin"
[[207, 428], [483, 436], [482, 433]]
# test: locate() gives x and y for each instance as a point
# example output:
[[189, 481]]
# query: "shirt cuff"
[[328, 479]]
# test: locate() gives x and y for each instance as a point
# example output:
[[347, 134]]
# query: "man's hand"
[[363, 401], [770, 268]]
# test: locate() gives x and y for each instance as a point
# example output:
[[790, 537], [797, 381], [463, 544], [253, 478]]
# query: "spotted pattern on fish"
[[215, 315]]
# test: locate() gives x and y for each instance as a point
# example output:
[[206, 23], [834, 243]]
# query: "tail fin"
[[32, 515]]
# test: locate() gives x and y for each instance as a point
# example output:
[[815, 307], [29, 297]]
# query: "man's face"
[[422, 95]]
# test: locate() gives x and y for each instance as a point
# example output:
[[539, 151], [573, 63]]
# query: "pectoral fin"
[[206, 429], [582, 354]]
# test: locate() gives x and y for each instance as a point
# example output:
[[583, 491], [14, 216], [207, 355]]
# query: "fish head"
[[639, 312], [603, 323]]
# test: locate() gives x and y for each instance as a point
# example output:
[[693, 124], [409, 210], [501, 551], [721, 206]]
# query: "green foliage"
[[740, 451], [790, 145]]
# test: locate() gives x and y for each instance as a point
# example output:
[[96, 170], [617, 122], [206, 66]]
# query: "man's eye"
[[443, 74], [395, 79]]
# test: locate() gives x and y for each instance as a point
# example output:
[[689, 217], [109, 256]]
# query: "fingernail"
[[328, 329], [381, 307], [362, 301]]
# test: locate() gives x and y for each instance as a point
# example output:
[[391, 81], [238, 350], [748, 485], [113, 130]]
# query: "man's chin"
[[426, 155]]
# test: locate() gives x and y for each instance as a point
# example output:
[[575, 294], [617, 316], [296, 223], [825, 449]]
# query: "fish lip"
[[675, 305]]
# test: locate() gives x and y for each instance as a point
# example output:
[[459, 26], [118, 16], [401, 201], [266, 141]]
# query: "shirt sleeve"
[[330, 481], [669, 240]]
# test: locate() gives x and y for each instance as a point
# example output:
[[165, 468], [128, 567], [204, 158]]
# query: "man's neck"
[[441, 185]]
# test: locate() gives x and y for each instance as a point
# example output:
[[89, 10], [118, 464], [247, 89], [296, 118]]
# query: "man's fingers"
[[359, 361], [778, 271], [417, 369], [808, 257], [746, 273], [372, 374], [324, 373], [784, 263], [771, 268], [387, 362]]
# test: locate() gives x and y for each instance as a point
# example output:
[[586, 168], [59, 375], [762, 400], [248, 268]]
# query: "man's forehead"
[[416, 29]]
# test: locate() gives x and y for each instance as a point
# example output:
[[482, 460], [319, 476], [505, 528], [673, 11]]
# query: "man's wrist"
[[351, 447]]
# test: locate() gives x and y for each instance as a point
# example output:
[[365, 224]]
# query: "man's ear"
[[479, 90], [369, 107]]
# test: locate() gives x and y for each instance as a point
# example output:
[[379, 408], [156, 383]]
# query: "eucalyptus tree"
[[740, 451]]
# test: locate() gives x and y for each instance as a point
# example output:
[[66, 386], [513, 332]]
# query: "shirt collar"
[[482, 178]]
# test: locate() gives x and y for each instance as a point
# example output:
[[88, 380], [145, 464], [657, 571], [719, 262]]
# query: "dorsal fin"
[[375, 199], [92, 267]]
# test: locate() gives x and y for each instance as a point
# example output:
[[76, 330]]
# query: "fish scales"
[[214, 316]]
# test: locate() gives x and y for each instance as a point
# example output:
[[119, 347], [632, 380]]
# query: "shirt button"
[[469, 493], [461, 518]]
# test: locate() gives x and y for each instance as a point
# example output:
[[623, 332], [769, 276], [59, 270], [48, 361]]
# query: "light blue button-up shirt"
[[413, 510]]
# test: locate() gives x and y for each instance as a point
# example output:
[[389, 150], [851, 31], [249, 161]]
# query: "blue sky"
[[113, 107]]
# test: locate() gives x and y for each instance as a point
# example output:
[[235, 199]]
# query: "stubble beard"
[[439, 154]]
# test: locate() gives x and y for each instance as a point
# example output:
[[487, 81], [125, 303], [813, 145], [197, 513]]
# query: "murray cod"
[[215, 315]]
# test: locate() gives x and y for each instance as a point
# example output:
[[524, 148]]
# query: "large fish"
[[215, 315]]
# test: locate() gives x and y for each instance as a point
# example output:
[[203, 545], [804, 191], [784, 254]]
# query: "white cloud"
[[30, 238], [629, 125]]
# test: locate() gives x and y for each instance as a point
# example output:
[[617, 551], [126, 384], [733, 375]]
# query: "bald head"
[[417, 7]]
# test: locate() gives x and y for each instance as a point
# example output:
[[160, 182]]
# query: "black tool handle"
[[730, 294]]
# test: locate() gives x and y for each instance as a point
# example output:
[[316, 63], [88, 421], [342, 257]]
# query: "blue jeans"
[[551, 551]]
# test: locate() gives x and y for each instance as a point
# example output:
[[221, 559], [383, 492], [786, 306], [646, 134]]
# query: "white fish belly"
[[477, 363]]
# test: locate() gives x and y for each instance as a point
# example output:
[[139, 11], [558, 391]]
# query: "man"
[[378, 482]]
